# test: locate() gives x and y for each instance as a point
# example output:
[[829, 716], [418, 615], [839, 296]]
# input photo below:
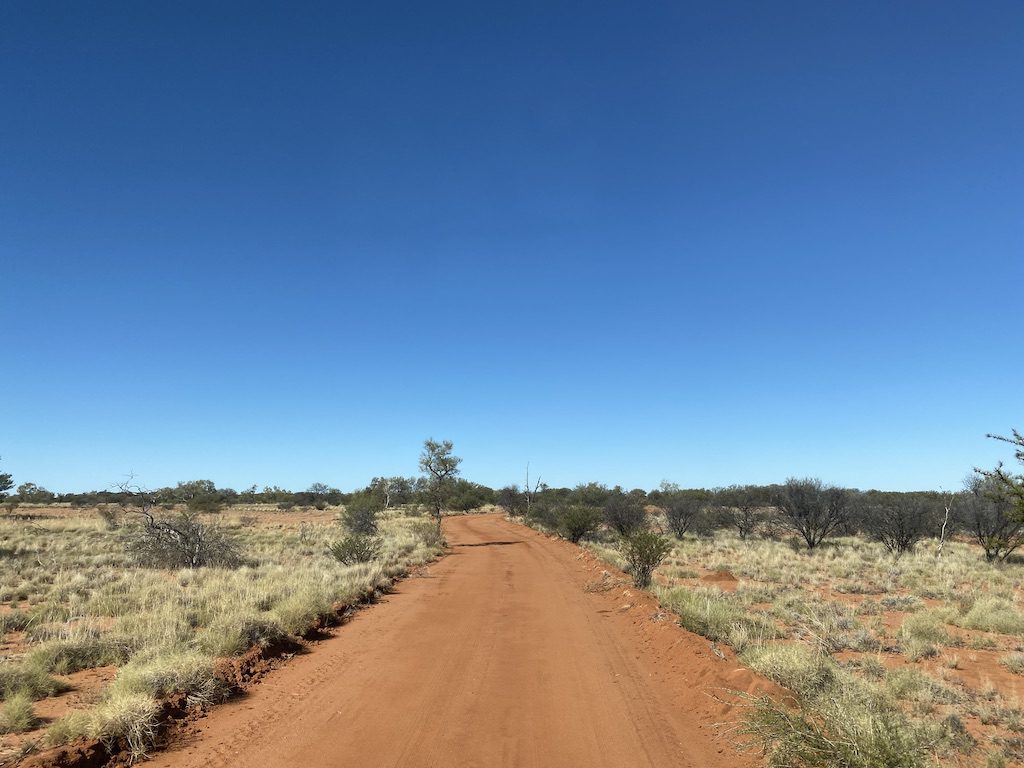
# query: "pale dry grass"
[[82, 603], [793, 613]]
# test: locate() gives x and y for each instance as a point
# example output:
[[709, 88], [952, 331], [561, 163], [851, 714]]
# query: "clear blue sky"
[[704, 242]]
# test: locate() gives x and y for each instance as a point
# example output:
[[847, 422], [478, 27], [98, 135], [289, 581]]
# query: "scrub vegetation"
[[895, 620], [76, 597]]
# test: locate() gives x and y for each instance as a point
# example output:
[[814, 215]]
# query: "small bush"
[[360, 514], [577, 520], [15, 621], [357, 548], [131, 716], [905, 603], [17, 715], [68, 728], [184, 541], [643, 551], [109, 516], [429, 534], [300, 611], [625, 513], [925, 627], [911, 684]]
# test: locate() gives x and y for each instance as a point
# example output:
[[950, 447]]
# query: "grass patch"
[[159, 675], [839, 721], [63, 657], [232, 634], [17, 714], [801, 669], [18, 677], [836, 733], [125, 715], [1014, 662], [710, 613], [993, 614]]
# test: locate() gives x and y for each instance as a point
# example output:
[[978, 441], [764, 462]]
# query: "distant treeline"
[[805, 510], [205, 496]]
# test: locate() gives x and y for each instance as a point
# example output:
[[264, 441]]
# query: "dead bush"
[[183, 541]]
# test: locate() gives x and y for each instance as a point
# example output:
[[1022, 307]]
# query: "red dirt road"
[[497, 656]]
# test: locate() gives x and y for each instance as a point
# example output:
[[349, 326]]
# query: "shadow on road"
[[488, 544]]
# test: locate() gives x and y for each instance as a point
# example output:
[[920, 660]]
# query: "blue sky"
[[710, 243]]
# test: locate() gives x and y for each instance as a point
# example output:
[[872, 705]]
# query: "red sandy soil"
[[514, 650]]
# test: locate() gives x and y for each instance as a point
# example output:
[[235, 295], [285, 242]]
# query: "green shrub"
[[923, 633], [360, 514], [356, 548], [577, 520], [643, 551]]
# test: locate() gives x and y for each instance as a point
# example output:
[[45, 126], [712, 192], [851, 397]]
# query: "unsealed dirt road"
[[497, 656]]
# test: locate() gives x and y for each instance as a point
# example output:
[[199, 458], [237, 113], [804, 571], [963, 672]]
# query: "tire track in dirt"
[[495, 657]]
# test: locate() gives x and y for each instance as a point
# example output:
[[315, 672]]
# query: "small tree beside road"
[[440, 467], [643, 551]]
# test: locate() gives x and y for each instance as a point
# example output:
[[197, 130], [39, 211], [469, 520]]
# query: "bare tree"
[[743, 507], [531, 493], [947, 508], [899, 520], [684, 510], [812, 510]]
